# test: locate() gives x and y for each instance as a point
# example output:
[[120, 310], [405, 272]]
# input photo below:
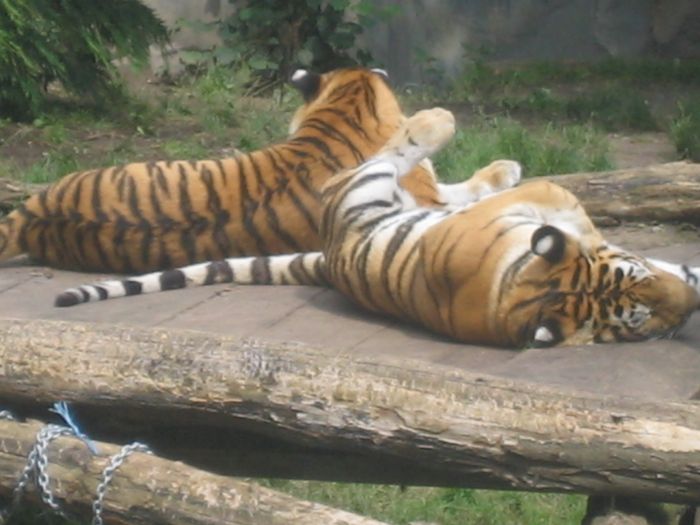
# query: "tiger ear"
[[307, 83], [381, 72], [549, 243]]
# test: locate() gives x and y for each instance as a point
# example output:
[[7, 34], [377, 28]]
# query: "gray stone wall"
[[512, 30]]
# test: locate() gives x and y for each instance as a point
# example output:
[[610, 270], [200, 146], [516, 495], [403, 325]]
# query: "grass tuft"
[[542, 150], [439, 505], [685, 130]]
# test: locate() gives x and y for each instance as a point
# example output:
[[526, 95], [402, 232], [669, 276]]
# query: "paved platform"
[[323, 318]]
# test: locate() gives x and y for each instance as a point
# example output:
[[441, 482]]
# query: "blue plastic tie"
[[61, 408]]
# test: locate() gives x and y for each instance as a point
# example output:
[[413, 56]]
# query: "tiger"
[[147, 216], [521, 266]]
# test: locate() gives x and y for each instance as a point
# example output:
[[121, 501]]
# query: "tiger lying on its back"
[[158, 215], [521, 267]]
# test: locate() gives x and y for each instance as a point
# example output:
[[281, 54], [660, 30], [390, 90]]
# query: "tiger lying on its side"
[[521, 267], [158, 215]]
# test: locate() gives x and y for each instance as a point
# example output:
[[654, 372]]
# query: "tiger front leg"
[[689, 274]]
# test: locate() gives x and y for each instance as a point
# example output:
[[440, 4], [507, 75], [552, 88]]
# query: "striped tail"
[[298, 269]]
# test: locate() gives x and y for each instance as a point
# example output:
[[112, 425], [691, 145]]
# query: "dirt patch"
[[641, 149], [644, 236]]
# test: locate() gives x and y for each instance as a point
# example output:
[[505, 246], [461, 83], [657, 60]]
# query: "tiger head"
[[572, 293], [526, 267], [351, 100]]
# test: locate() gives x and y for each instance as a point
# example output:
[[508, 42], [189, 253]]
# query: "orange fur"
[[156, 215]]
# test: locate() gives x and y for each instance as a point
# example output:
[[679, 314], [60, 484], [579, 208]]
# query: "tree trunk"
[[663, 192], [471, 429], [147, 490]]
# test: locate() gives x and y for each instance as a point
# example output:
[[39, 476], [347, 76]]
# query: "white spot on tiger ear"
[[543, 335], [544, 245], [299, 74], [380, 71]]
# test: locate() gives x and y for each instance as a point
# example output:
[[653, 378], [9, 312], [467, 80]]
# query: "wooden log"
[[663, 192], [147, 489], [477, 430]]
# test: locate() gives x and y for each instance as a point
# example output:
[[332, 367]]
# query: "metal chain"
[[37, 467], [108, 473], [37, 464]]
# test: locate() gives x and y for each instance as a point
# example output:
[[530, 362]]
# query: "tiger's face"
[[527, 267], [569, 292]]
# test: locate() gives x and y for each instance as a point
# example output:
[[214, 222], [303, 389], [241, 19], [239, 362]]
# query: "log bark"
[[663, 192], [147, 490], [472, 429]]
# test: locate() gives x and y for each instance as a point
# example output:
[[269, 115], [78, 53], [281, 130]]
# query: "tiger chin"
[[519, 266]]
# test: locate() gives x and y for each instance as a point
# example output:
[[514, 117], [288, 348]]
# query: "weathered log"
[[147, 489], [663, 192], [474, 429]]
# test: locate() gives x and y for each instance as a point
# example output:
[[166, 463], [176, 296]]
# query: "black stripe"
[[218, 272], [322, 147], [132, 287], [172, 280], [260, 270], [331, 132], [392, 248]]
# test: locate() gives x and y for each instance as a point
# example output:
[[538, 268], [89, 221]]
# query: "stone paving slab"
[[323, 318]]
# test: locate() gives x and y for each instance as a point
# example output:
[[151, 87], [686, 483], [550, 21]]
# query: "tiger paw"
[[498, 176], [420, 136]]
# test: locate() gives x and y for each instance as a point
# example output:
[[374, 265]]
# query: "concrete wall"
[[508, 29]]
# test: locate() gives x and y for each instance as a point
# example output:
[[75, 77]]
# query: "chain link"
[[37, 465], [108, 473]]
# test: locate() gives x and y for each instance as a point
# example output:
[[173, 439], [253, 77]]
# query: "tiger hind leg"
[[498, 176], [421, 135]]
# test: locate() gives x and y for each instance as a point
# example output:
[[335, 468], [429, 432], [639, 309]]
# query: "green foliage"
[[71, 41], [612, 107], [273, 37], [481, 76], [541, 150], [613, 94], [685, 130]]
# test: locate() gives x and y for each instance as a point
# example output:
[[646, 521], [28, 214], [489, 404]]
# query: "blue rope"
[[61, 408]]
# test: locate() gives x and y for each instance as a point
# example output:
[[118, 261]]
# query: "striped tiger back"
[[157, 215]]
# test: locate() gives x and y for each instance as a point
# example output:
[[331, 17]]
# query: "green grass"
[[483, 77], [685, 130], [439, 505], [398, 506], [611, 108], [611, 94], [542, 150]]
